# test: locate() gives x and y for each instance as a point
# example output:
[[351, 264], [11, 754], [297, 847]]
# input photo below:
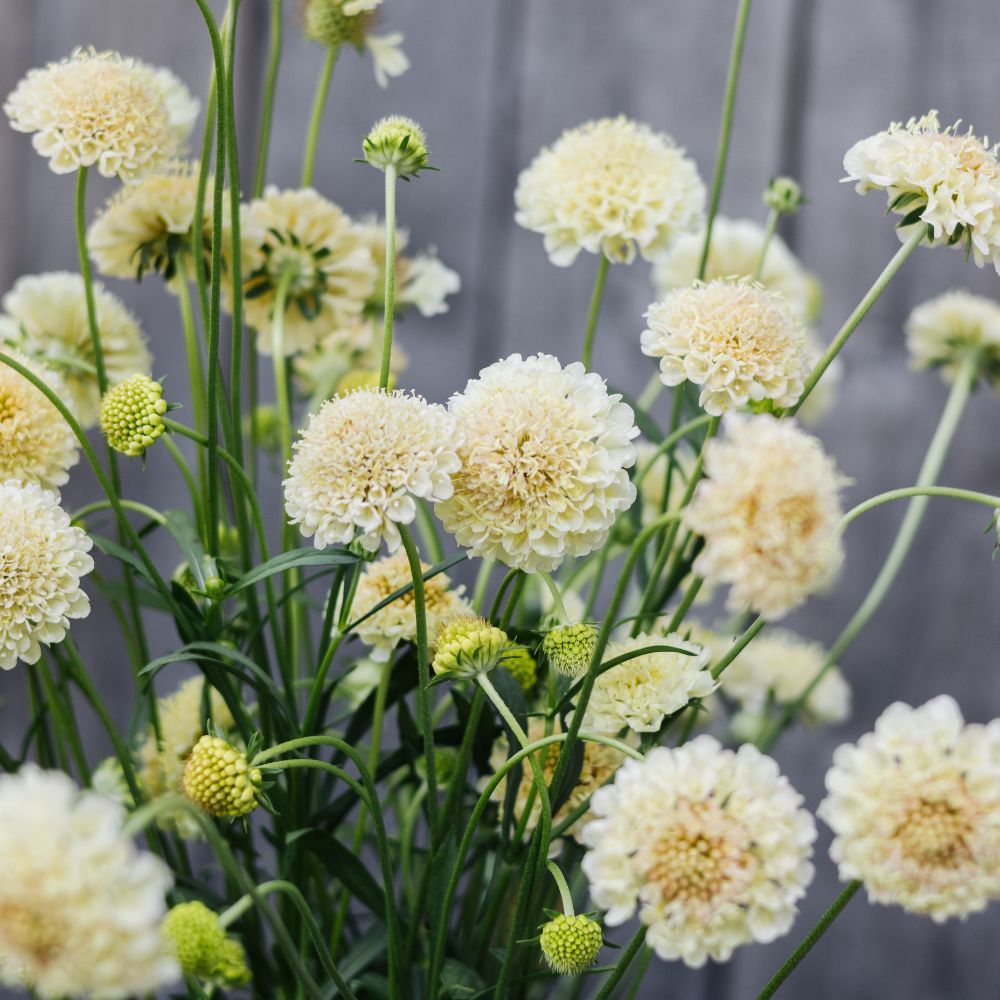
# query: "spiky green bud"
[[397, 142], [131, 414], [784, 195], [467, 645], [202, 947], [571, 944], [569, 648], [218, 779]]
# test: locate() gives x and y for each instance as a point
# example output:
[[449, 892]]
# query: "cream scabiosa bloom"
[[45, 316], [915, 810], [42, 561], [100, 108], [364, 460], [736, 340], [710, 846], [611, 186], [941, 178], [769, 512], [543, 463], [80, 907]]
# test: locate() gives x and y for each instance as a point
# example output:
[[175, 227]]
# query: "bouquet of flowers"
[[377, 780]]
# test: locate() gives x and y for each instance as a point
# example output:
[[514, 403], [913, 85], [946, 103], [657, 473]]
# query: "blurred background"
[[492, 81]]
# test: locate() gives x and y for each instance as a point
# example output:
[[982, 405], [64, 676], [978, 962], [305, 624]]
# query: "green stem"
[[564, 894], [772, 223], [737, 647], [62, 714], [88, 281], [196, 366], [267, 103], [621, 966], [280, 364], [389, 304], [985, 499], [596, 297], [139, 508], [668, 442], [557, 601], [316, 117]]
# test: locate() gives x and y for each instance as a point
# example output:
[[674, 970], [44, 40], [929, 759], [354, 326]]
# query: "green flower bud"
[[571, 944], [397, 142], [202, 947], [783, 195], [218, 779], [337, 22], [522, 666], [569, 648], [131, 414], [467, 645]]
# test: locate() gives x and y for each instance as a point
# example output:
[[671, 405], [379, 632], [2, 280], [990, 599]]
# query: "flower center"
[[296, 265], [8, 407], [936, 833], [29, 936]]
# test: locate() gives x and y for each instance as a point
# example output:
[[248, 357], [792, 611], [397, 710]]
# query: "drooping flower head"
[[542, 463], [736, 340], [81, 907], [611, 186], [941, 178], [202, 947], [915, 809], [570, 943], [46, 318], [711, 846], [769, 512], [43, 558], [311, 246], [363, 461], [100, 108]]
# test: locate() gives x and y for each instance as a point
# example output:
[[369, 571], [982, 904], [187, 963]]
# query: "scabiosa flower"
[[202, 947], [42, 561], [99, 108], [363, 461], [46, 317], [940, 332], [218, 778], [641, 692], [915, 809], [769, 512], [397, 622], [937, 178], [570, 943], [317, 250], [569, 648], [36, 443], [542, 463], [711, 846], [467, 645], [736, 340], [81, 906], [397, 142], [131, 414]]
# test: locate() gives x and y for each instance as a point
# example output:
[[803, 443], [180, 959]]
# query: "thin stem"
[[267, 103], [389, 304], [621, 966], [196, 365], [88, 281], [668, 442], [564, 894], [596, 297], [737, 647], [557, 601], [316, 117], [769, 227], [280, 363], [985, 499]]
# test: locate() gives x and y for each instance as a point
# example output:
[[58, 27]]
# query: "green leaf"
[[180, 524], [459, 981], [290, 560]]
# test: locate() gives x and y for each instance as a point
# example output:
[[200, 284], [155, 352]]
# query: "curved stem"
[[971, 496], [769, 227], [316, 116], [564, 894], [139, 508], [267, 103], [596, 297], [668, 442], [557, 601], [737, 647], [389, 303]]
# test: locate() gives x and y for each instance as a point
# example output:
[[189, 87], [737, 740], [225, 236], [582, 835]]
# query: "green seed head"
[[337, 22], [131, 414], [569, 648], [202, 947], [467, 645], [397, 142], [783, 195], [571, 944], [218, 779]]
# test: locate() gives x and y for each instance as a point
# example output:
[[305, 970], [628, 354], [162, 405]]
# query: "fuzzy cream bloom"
[[36, 443], [611, 186], [641, 692], [43, 558], [941, 178], [769, 511], [80, 906], [397, 622], [542, 463], [363, 461], [736, 340], [712, 847], [45, 316], [915, 809], [941, 331], [734, 253], [100, 108], [311, 245], [570, 943]]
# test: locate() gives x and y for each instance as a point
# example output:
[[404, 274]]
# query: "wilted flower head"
[[770, 514], [202, 947], [102, 108], [941, 178], [542, 462], [131, 414], [397, 142], [570, 943], [218, 778], [42, 561], [467, 645], [712, 847], [46, 317], [939, 333], [915, 809], [363, 461], [736, 340], [611, 186], [81, 906]]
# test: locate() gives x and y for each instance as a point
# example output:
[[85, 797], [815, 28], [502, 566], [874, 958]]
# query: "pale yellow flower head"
[[710, 846], [467, 645], [739, 342], [915, 810], [363, 461], [769, 511], [611, 186], [102, 109], [542, 463], [941, 178]]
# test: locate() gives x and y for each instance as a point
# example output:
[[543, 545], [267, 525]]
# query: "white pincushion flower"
[[101, 108], [940, 332], [36, 443], [362, 463], [611, 186], [711, 847], [769, 511], [542, 463], [311, 245], [736, 340], [81, 906], [641, 692], [46, 317], [935, 177], [42, 560], [915, 809], [397, 622]]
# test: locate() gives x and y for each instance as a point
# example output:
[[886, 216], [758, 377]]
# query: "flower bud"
[[783, 195], [131, 414], [201, 945], [218, 779], [522, 666], [570, 648], [338, 22], [571, 944], [397, 142], [467, 645]]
